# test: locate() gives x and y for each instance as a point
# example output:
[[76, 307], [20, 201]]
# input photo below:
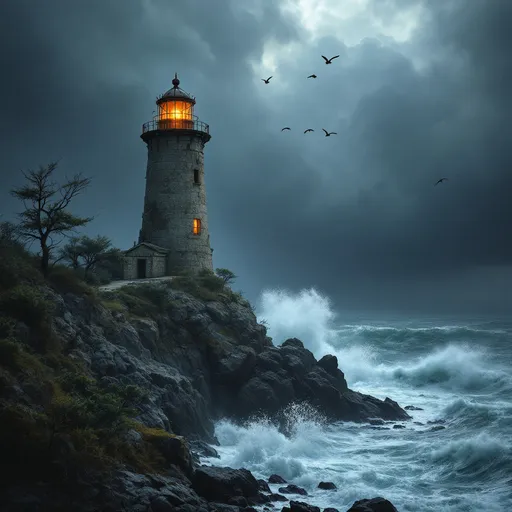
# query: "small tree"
[[46, 214], [71, 252], [9, 234], [226, 275], [90, 253], [93, 251], [112, 263]]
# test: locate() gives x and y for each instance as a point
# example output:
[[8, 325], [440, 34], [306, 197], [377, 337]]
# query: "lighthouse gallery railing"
[[175, 124]]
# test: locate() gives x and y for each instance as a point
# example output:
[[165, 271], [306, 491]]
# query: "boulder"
[[222, 484], [299, 506], [293, 489], [372, 505], [327, 486], [276, 479]]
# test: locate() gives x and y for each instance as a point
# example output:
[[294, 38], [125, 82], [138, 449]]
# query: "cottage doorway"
[[141, 268]]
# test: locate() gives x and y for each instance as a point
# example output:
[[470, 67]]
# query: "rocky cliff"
[[90, 381], [203, 360]]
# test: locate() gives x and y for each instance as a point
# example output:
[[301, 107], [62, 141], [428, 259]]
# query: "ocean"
[[457, 370]]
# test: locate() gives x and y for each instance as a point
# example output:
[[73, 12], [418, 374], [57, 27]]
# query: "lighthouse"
[[174, 237]]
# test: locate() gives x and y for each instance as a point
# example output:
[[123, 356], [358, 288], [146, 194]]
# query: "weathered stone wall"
[[173, 200], [155, 267], [129, 267]]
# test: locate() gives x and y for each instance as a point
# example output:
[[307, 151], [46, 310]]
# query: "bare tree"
[[46, 215]]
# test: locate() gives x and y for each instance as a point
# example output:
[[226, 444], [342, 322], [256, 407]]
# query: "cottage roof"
[[151, 247]]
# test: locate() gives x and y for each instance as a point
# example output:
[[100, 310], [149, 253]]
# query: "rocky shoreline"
[[186, 488], [205, 360], [198, 360]]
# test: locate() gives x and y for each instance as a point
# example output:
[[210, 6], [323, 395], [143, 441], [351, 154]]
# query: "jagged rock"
[[221, 484], [176, 450], [327, 485], [293, 489], [299, 506], [292, 342], [276, 479], [329, 363], [277, 497], [222, 507], [263, 486], [239, 501], [412, 408], [204, 360], [373, 505], [203, 449]]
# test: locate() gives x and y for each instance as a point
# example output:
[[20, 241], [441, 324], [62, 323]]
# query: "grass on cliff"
[[151, 300], [56, 420]]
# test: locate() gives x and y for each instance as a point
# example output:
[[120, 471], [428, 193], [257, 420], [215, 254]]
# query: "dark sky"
[[422, 90]]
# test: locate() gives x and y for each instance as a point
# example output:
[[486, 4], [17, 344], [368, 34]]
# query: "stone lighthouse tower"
[[174, 237]]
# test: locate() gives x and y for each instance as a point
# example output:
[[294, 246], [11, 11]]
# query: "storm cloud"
[[357, 214]]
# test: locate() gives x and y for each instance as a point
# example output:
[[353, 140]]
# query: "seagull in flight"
[[309, 130], [285, 128], [267, 80], [312, 76], [328, 134], [329, 61], [440, 181]]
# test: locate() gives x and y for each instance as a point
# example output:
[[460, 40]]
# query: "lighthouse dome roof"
[[176, 92]]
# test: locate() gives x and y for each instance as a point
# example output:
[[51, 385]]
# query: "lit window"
[[197, 227], [175, 109]]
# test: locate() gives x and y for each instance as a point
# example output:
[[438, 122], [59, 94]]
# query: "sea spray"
[[306, 315], [454, 455], [268, 446]]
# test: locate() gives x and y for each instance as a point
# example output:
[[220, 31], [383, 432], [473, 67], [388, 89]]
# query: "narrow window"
[[196, 176], [197, 227]]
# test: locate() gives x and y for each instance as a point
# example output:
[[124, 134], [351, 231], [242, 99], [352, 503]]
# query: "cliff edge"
[[203, 358], [121, 382]]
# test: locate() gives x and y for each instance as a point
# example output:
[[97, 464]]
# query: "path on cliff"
[[114, 285]]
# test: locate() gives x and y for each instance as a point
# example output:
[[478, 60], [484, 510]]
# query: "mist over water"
[[458, 372]]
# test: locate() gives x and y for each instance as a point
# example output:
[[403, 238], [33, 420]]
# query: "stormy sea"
[[457, 370]]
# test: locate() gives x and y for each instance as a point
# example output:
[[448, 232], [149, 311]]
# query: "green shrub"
[[26, 304], [67, 280], [70, 409], [211, 282], [115, 306], [156, 295], [9, 353], [142, 301], [7, 327], [203, 287], [17, 266]]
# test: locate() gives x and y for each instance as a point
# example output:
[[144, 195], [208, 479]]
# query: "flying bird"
[[328, 134], [267, 80], [329, 61], [285, 128], [440, 181], [309, 130], [312, 76]]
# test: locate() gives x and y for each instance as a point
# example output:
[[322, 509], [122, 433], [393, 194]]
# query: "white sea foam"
[[450, 370]]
